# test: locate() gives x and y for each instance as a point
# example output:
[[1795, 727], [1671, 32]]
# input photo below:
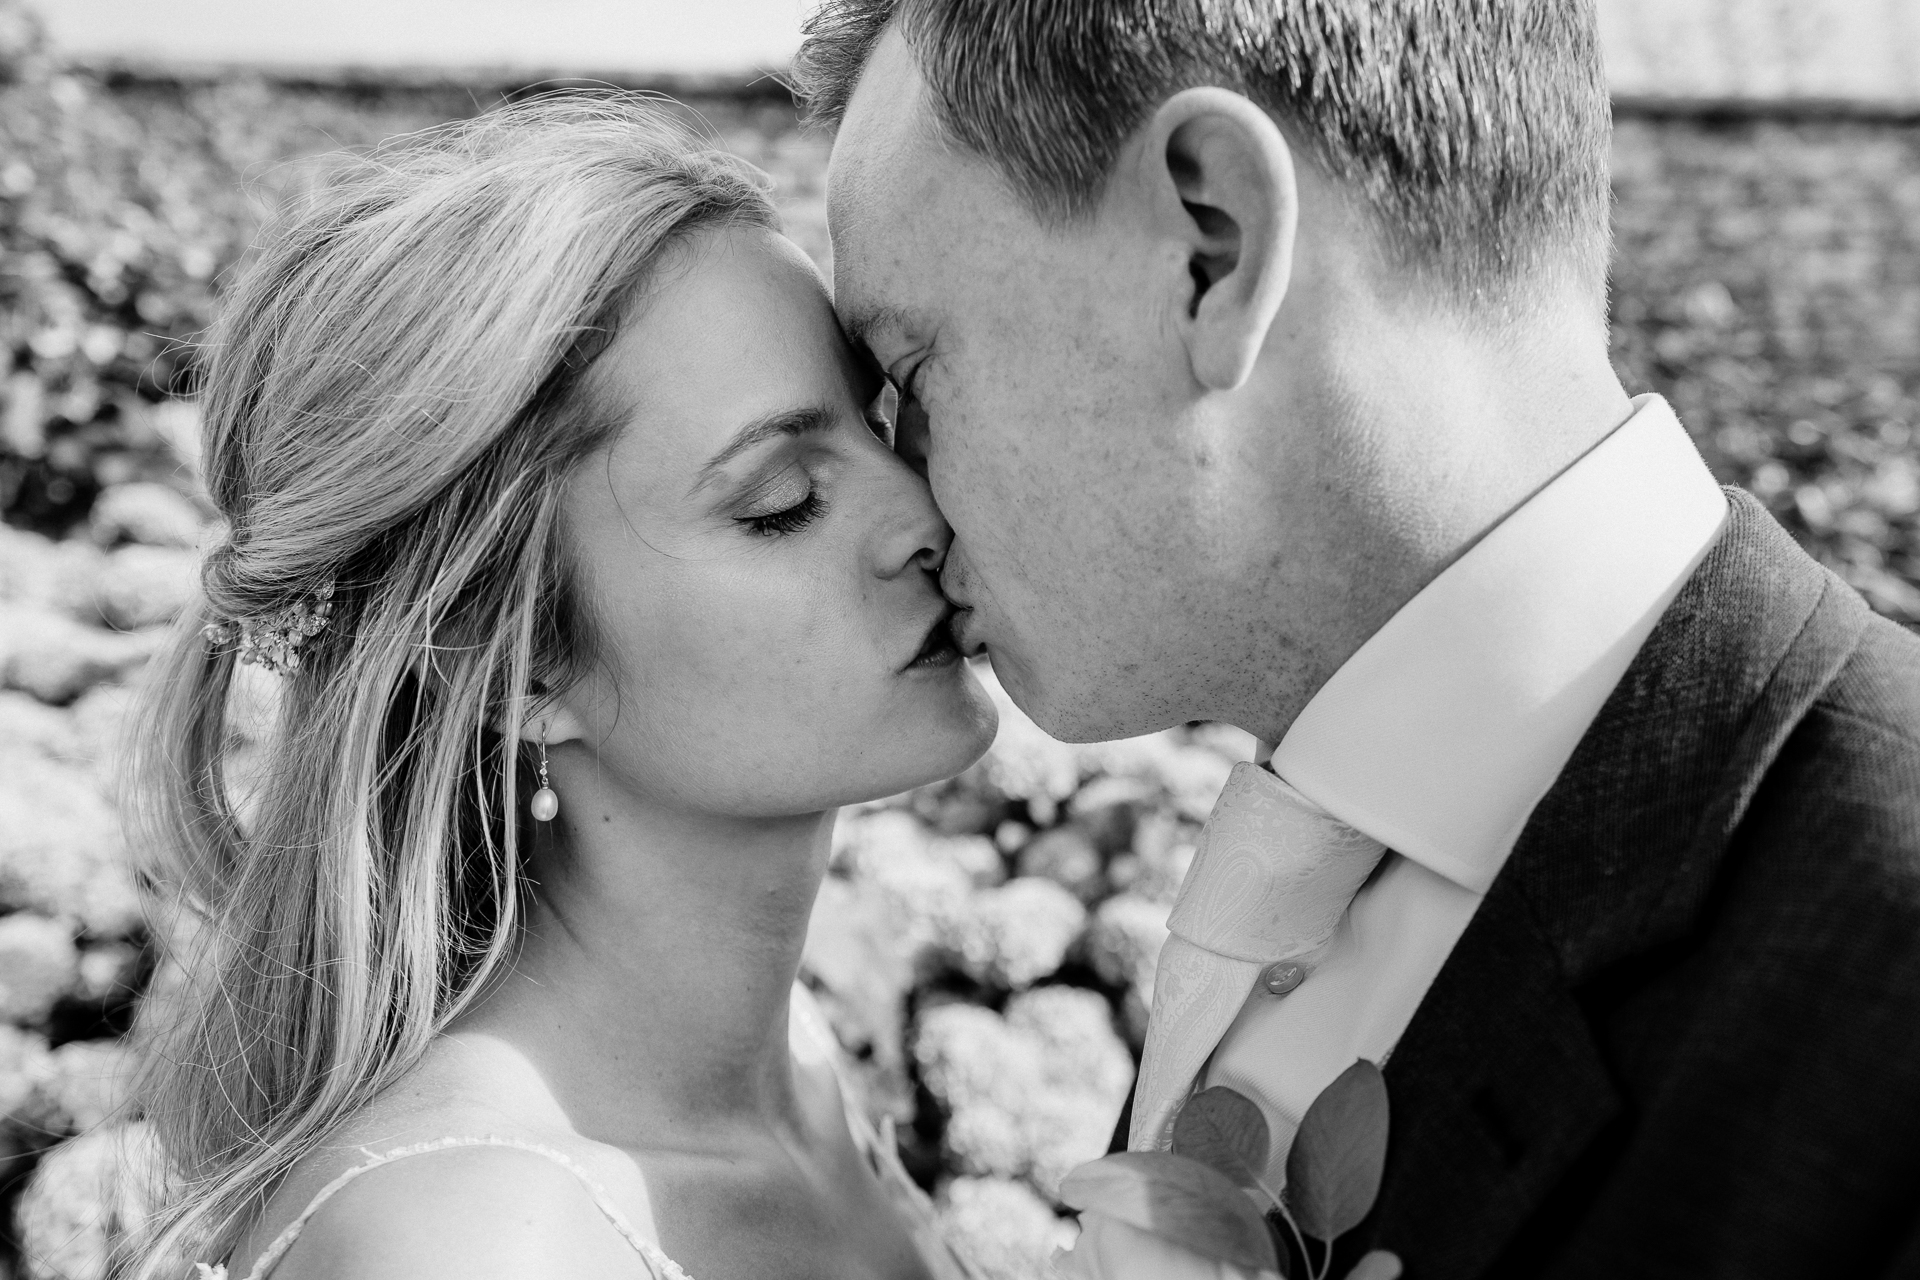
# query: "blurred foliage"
[[124, 203], [984, 947], [1767, 282]]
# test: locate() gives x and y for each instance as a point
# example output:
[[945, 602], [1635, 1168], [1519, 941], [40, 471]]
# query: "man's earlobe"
[[1234, 206]]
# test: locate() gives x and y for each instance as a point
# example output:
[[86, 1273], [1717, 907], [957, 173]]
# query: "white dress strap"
[[662, 1267]]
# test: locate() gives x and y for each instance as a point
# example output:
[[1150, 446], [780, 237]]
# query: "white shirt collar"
[[1444, 730]]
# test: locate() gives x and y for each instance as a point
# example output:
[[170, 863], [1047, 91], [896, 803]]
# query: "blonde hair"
[[395, 400]]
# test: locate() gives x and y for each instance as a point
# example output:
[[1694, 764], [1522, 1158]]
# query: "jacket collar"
[[1498, 1087]]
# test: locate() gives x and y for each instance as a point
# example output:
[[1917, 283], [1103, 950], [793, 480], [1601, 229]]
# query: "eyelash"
[[795, 518]]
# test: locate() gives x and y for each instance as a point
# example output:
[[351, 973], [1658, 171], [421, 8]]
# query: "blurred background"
[[984, 947]]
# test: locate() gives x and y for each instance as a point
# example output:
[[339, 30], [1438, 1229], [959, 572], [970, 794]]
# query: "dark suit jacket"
[[1681, 1037]]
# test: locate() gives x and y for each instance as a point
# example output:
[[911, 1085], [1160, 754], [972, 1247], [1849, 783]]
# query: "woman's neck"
[[651, 988]]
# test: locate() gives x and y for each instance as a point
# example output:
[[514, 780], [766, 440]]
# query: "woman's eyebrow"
[[772, 426]]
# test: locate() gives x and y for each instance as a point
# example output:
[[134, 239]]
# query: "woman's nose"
[[914, 535]]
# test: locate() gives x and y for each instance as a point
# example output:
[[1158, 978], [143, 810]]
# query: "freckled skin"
[[755, 671], [759, 620], [1138, 542], [1082, 474], [749, 683], [756, 674]]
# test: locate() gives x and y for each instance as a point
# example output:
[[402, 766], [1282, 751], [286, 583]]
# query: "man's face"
[[1056, 413]]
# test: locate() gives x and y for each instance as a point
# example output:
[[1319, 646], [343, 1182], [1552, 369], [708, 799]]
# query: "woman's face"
[[762, 568]]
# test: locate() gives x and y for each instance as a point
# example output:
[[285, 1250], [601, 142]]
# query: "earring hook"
[[545, 803]]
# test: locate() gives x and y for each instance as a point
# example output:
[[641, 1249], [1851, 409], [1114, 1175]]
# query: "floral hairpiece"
[[274, 641]]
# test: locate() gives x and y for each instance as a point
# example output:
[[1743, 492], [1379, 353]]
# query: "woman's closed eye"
[[789, 507]]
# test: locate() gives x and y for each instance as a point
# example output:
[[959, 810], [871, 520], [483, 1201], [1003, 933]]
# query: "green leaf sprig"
[[1334, 1167], [1202, 1195]]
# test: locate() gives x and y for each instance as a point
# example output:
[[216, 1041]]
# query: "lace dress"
[[812, 1039]]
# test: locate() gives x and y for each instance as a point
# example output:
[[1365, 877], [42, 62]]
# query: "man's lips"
[[960, 624]]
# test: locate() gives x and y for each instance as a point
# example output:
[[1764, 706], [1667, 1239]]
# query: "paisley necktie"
[[1272, 875]]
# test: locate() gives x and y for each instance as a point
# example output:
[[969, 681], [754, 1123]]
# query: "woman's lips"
[[939, 648]]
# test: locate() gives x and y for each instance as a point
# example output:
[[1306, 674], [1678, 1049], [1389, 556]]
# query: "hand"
[[1109, 1249], [1196, 1212]]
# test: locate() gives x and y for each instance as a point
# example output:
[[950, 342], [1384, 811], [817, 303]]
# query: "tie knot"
[[1272, 873]]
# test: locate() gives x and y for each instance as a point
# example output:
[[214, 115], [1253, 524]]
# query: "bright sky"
[[1739, 48], [548, 35]]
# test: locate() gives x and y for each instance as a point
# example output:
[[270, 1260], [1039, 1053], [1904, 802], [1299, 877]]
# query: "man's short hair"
[[1474, 131]]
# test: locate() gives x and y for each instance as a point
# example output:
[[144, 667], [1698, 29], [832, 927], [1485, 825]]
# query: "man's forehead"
[[911, 213], [883, 136]]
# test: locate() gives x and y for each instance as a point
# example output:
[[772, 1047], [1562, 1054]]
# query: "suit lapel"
[[1498, 1087]]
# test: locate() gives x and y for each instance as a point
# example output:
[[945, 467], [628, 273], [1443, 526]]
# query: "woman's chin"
[[949, 727], [973, 719]]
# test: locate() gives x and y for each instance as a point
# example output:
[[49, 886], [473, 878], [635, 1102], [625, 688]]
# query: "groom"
[[1257, 353]]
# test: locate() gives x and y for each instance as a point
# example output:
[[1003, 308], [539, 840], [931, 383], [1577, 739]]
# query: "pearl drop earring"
[[545, 803]]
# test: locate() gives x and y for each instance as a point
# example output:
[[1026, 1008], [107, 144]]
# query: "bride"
[[566, 518]]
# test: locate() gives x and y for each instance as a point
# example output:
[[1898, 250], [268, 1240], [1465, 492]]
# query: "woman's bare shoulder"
[[481, 1192], [461, 1211]]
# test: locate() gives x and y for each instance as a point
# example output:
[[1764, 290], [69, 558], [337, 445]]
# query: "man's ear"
[[1223, 189]]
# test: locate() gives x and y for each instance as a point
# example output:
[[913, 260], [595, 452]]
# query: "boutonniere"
[[1204, 1209]]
